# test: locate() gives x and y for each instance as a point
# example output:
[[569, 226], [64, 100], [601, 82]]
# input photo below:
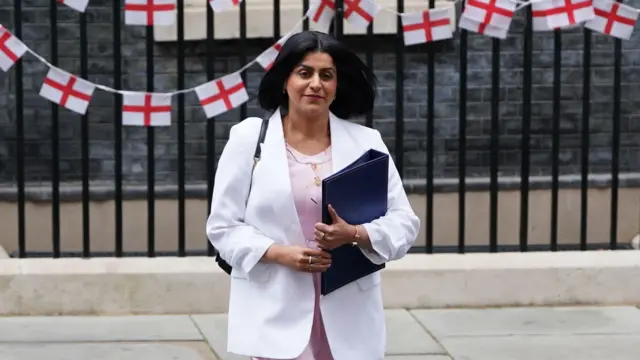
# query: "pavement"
[[555, 333]]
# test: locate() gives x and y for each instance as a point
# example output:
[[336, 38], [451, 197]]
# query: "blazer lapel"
[[274, 158], [344, 148]]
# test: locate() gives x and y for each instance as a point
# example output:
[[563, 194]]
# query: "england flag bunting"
[[146, 109], [149, 12], [613, 19], [11, 49], [360, 13], [268, 56], [492, 18], [223, 94], [78, 5], [482, 28], [223, 5], [563, 13], [322, 12], [427, 26], [498, 13], [67, 90]]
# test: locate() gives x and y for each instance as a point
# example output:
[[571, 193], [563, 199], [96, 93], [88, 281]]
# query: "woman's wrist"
[[273, 253], [361, 237], [356, 233]]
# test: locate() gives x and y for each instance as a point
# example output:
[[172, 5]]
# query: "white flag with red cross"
[[563, 13], [498, 13], [150, 12], [67, 90], [268, 56], [613, 19], [427, 26], [223, 5], [360, 13], [222, 94], [11, 49], [482, 28], [146, 109], [322, 12], [78, 5]]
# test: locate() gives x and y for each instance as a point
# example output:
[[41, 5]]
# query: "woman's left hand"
[[337, 234]]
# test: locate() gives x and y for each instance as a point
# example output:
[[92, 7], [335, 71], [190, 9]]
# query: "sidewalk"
[[585, 333]]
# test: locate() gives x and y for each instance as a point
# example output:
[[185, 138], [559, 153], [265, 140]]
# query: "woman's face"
[[311, 87]]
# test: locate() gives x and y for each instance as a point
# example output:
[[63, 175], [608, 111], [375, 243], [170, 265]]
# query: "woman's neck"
[[299, 126]]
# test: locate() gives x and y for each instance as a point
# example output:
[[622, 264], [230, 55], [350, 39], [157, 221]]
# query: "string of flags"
[[487, 17]]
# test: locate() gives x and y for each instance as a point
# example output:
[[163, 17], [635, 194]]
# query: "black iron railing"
[[369, 50]]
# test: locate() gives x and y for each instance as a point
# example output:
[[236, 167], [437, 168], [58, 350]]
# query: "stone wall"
[[38, 111]]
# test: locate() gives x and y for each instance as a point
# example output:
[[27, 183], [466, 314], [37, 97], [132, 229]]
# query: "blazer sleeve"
[[393, 234], [238, 243]]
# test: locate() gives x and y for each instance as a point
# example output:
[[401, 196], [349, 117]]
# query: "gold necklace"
[[314, 166]]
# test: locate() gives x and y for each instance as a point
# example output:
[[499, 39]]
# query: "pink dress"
[[306, 172]]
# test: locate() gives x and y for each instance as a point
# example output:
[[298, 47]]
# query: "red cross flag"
[[149, 12], [11, 49], [360, 13], [613, 18], [268, 56], [322, 12], [146, 109], [78, 5], [223, 5], [481, 28], [490, 12], [67, 90], [562, 13], [222, 95], [427, 26]]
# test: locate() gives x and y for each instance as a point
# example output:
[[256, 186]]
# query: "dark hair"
[[356, 90]]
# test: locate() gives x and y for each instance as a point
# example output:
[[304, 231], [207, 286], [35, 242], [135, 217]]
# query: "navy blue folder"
[[358, 193]]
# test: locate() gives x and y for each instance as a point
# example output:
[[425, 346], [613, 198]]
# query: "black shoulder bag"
[[256, 157]]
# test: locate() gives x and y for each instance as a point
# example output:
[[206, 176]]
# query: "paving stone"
[[417, 357], [214, 329], [406, 336], [556, 347], [522, 321], [3, 253], [98, 328], [107, 351]]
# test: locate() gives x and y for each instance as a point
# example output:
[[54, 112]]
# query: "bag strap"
[[258, 151], [263, 132]]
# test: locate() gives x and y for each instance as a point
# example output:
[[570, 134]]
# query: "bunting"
[[146, 109], [67, 90], [491, 18], [11, 49], [149, 12], [613, 18], [221, 95]]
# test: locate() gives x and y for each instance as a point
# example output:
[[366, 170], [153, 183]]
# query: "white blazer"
[[271, 306]]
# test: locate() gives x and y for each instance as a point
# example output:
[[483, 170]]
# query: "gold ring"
[[309, 262]]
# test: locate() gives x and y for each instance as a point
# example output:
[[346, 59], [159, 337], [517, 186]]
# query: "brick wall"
[[38, 111]]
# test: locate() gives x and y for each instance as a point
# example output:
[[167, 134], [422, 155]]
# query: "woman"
[[267, 223]]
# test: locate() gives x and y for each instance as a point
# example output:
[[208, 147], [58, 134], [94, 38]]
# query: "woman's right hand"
[[297, 258]]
